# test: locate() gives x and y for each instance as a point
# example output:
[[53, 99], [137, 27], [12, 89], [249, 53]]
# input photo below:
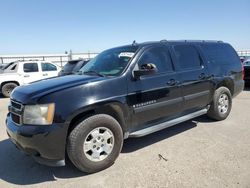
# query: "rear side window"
[[48, 67], [158, 56], [220, 53], [30, 67], [187, 56]]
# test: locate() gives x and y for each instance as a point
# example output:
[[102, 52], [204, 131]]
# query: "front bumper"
[[46, 143]]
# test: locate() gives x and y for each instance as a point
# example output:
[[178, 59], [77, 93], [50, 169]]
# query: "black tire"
[[78, 135], [8, 88], [214, 111]]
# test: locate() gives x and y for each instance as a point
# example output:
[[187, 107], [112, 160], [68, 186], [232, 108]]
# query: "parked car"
[[246, 64], [24, 72], [2, 66], [72, 67], [242, 58], [5, 66], [128, 91]]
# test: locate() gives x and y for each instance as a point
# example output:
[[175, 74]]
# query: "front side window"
[[30, 67], [159, 56], [187, 56], [48, 67], [110, 62]]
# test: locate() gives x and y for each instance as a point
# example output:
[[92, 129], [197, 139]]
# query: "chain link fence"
[[59, 59], [244, 53]]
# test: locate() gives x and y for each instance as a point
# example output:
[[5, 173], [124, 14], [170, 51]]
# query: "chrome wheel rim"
[[98, 144], [223, 104]]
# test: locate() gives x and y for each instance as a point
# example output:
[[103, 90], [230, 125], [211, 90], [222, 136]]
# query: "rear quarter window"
[[220, 53]]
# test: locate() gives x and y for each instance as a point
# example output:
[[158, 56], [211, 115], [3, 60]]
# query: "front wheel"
[[221, 104], [8, 88], [95, 143]]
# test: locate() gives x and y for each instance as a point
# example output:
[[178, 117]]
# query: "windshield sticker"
[[126, 54]]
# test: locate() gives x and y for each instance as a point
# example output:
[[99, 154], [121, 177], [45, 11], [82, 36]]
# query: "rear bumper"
[[238, 87], [45, 143]]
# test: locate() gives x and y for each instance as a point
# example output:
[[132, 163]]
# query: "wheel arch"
[[115, 109], [228, 83], [11, 81]]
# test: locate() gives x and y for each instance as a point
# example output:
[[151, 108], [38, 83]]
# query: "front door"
[[30, 72], [154, 98]]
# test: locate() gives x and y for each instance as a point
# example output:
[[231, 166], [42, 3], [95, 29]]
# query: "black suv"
[[128, 91]]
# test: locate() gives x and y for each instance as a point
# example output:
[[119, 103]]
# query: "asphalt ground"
[[196, 153]]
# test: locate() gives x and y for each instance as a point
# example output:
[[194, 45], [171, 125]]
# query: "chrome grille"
[[16, 105], [16, 110]]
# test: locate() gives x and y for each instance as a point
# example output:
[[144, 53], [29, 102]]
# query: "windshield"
[[110, 62], [247, 63]]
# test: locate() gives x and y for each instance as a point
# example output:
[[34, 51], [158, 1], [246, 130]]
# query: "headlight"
[[42, 114]]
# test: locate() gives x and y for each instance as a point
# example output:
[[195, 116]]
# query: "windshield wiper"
[[93, 72]]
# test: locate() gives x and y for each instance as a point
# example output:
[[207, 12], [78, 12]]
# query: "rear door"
[[195, 80], [49, 70], [157, 97]]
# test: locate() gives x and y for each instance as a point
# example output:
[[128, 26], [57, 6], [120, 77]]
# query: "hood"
[[32, 92]]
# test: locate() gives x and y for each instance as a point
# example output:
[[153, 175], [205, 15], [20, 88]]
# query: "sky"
[[56, 26]]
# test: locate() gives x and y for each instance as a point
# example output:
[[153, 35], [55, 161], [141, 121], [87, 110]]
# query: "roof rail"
[[163, 40], [218, 41]]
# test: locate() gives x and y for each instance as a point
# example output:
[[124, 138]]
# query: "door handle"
[[172, 82], [202, 76], [45, 74], [26, 75]]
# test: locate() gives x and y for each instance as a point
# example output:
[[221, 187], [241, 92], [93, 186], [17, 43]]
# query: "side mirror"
[[145, 69]]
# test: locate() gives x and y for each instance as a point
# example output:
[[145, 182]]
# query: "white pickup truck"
[[23, 72]]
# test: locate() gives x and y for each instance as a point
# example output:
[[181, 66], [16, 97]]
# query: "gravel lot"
[[198, 153]]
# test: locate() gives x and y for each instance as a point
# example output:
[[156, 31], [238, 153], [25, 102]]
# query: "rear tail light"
[[243, 71]]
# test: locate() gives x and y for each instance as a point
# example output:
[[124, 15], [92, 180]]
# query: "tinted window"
[[68, 67], [48, 67], [187, 56], [158, 56], [30, 67], [220, 53], [79, 65]]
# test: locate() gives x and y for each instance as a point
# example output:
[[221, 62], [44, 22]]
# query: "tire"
[[83, 143], [8, 88], [221, 104]]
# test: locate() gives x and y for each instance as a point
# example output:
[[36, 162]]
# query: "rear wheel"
[[221, 104], [95, 143], [8, 88]]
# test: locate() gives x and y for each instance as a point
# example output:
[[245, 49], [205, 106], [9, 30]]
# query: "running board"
[[167, 124]]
